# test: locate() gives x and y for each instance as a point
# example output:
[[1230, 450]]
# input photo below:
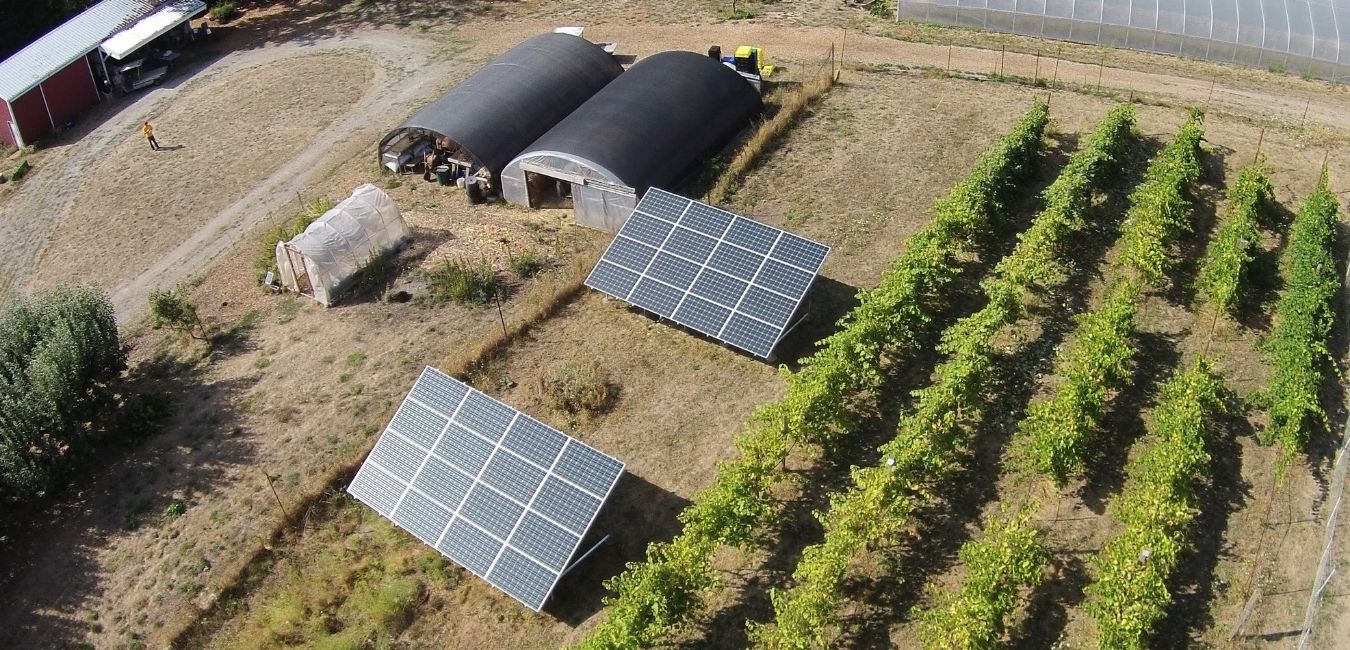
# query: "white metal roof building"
[[1299, 36]]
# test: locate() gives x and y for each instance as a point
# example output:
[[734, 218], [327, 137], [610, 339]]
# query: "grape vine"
[[1297, 346], [652, 598], [1224, 269], [1157, 506], [1058, 433], [919, 458]]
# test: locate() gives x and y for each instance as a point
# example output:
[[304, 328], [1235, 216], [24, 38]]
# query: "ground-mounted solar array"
[[731, 278], [500, 493]]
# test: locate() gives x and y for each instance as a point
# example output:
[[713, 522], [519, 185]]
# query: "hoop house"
[[323, 260]]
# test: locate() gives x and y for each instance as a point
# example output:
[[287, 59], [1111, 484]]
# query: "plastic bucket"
[[443, 174]]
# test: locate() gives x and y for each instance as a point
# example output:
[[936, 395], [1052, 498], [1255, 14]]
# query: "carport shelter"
[[486, 120], [50, 81], [653, 126]]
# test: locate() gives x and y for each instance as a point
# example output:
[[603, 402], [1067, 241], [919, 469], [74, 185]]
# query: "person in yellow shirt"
[[149, 132]]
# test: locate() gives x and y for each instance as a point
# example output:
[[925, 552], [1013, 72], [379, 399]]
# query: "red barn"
[[52, 80]]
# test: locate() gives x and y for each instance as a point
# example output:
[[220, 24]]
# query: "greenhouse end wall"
[[1294, 36]]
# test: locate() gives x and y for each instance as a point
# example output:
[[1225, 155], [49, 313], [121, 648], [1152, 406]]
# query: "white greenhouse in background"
[[324, 260], [1297, 36]]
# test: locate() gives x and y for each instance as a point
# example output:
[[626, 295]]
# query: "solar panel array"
[[500, 493], [729, 277]]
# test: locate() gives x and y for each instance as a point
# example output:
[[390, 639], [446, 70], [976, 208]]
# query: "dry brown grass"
[[768, 133]]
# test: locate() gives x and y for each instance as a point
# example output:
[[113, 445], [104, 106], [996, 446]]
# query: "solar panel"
[[731, 278], [503, 495]]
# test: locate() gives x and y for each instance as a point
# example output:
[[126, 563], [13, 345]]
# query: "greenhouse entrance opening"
[[548, 191]]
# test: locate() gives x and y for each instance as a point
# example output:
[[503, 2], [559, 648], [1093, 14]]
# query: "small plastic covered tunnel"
[[652, 126], [482, 123]]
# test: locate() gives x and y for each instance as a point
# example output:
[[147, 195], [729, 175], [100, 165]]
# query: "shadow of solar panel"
[[473, 549], [544, 541], [535, 441], [566, 505], [513, 476], [656, 297], [752, 235], [485, 416], [672, 270], [397, 455], [421, 517], [749, 334], [707, 220], [736, 262], [664, 205], [630, 254], [443, 483], [689, 244], [491, 510], [588, 468], [646, 229], [418, 423], [719, 288], [702, 315], [518, 576], [612, 280], [438, 391], [767, 306], [376, 489], [784, 279], [463, 449], [799, 252]]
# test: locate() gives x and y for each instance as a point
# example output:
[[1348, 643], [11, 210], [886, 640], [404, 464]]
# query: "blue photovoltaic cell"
[[517, 478], [473, 549], [535, 441], [418, 423], [665, 205], [485, 416], [735, 261], [518, 575], [566, 505], [612, 280], [691, 245], [711, 266], [491, 510], [767, 306], [423, 518], [655, 297], [752, 235], [702, 315], [749, 334], [544, 541], [443, 483], [800, 252], [397, 455], [474, 496], [463, 449], [376, 489], [719, 288], [646, 229], [439, 392], [784, 279], [630, 254], [672, 270], [707, 220], [587, 468]]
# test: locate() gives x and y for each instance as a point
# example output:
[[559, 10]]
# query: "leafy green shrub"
[[880, 8], [59, 354], [576, 388], [527, 264], [266, 258], [224, 12], [1223, 274], [173, 309], [465, 282]]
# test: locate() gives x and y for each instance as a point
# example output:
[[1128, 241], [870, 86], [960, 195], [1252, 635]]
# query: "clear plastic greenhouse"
[[1297, 36]]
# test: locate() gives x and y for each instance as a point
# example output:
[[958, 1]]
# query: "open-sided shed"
[[486, 120], [653, 125]]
